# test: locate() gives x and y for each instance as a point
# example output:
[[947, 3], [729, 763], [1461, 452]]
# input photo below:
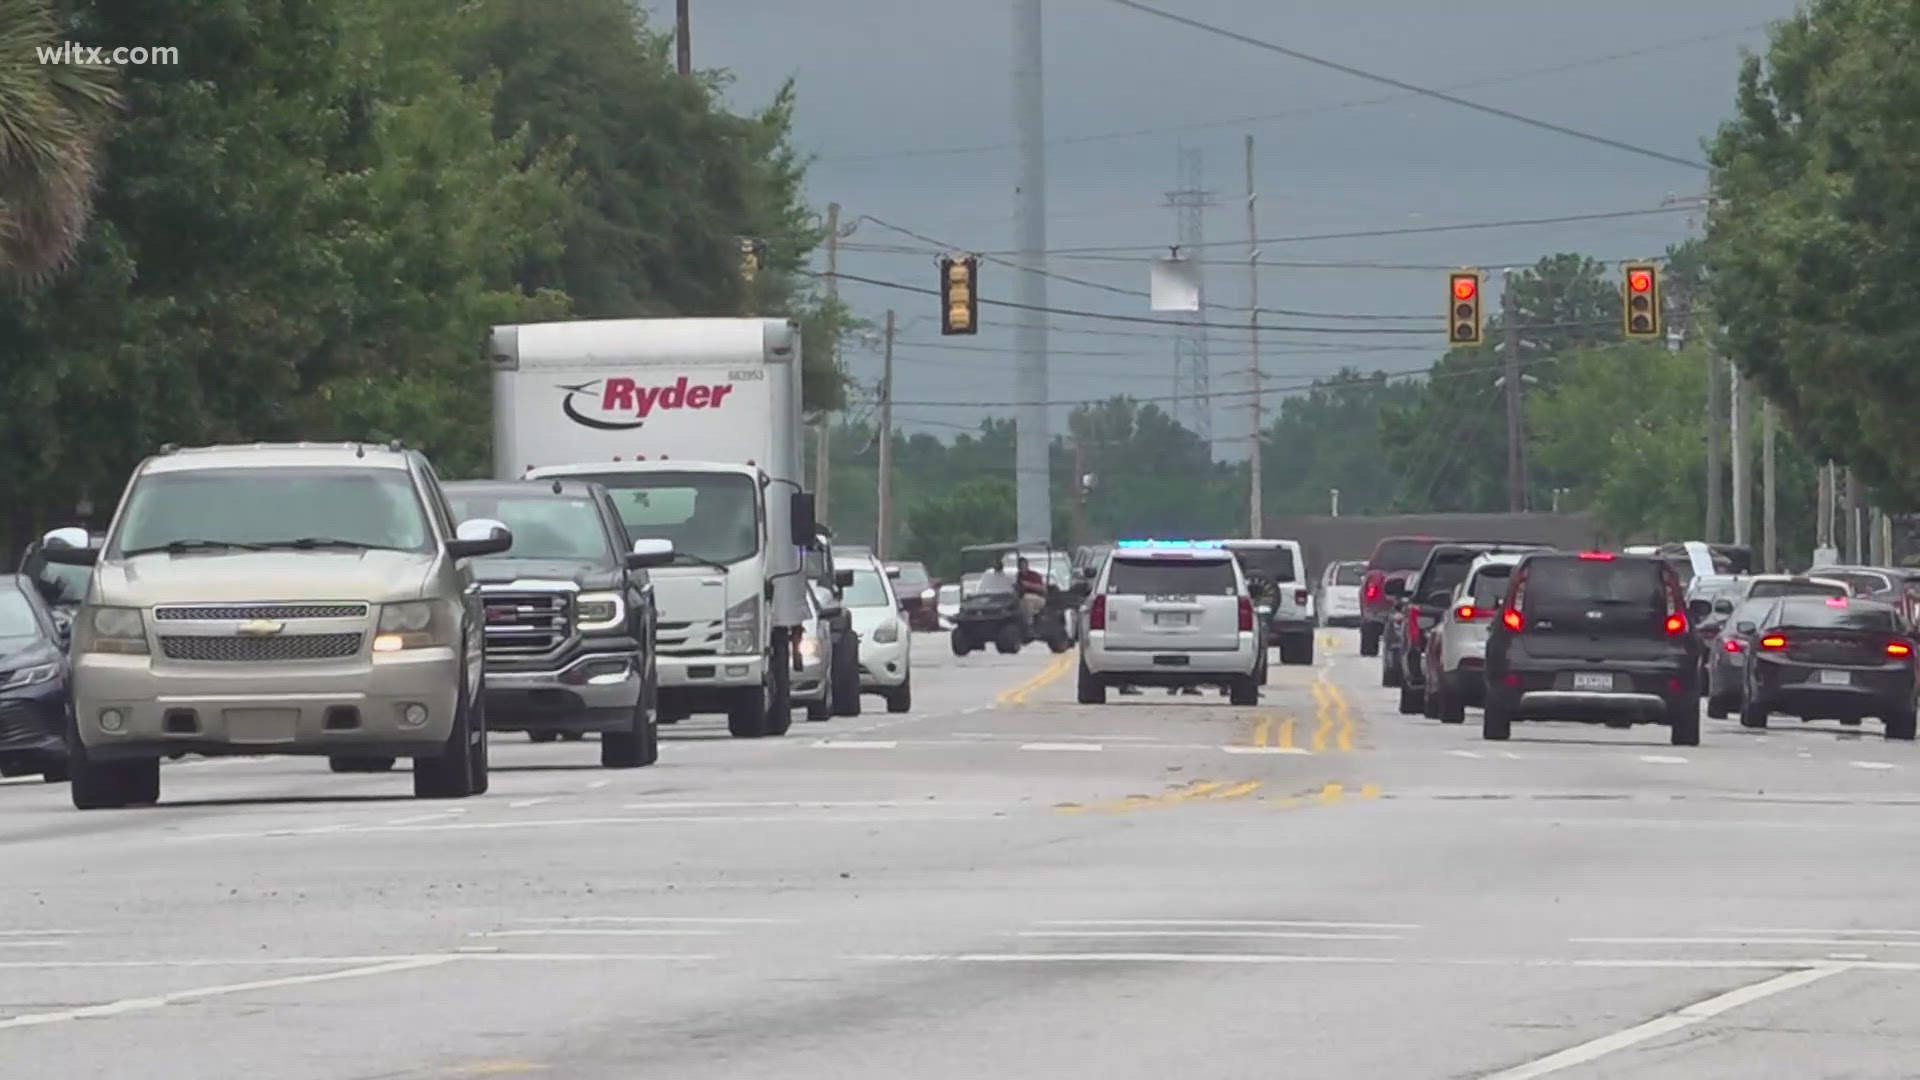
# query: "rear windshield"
[[1444, 573], [1619, 582], [1762, 589], [1821, 615], [913, 579], [1166, 577], [1394, 555], [1350, 573], [1490, 585], [1274, 564], [1862, 584]]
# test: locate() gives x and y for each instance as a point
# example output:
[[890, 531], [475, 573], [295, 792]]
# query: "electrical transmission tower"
[[1192, 368]]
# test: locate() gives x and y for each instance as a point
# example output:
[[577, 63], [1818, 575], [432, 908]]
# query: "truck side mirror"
[[1723, 606], [479, 536], [843, 578], [1745, 628], [1698, 610], [893, 573], [802, 524], [649, 552], [70, 546]]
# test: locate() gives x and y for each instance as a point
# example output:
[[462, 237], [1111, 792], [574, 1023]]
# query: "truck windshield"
[[207, 509], [710, 517], [543, 526]]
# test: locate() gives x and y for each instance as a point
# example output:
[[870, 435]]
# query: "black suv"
[[1829, 657], [1597, 637], [569, 616], [1420, 603]]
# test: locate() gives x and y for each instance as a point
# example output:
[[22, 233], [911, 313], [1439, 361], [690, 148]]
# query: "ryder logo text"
[[621, 404]]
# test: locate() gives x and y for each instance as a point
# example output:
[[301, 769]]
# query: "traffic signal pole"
[[1255, 514]]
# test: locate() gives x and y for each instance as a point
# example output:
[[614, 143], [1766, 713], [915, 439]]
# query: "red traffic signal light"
[[1464, 287], [1463, 308], [1640, 281], [1641, 316]]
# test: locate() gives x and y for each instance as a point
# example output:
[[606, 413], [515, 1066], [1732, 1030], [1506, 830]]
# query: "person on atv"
[[1033, 594]]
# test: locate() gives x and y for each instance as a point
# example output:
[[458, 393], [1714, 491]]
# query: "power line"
[[1439, 95]]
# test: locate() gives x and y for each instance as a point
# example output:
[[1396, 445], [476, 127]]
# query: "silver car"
[[281, 599]]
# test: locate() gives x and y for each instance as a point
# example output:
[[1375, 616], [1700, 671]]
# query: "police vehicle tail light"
[[1246, 615], [1097, 614], [1300, 596], [1899, 649]]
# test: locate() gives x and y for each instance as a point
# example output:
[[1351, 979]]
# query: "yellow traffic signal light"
[[959, 300], [1642, 312], [1463, 308]]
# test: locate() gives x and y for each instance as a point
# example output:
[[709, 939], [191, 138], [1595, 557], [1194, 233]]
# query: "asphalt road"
[[1001, 884]]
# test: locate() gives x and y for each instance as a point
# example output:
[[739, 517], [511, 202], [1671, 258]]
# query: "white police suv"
[[1175, 614]]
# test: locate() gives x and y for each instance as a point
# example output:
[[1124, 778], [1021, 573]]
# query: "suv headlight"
[[601, 611], [886, 633], [809, 648], [743, 628], [121, 630], [29, 676], [412, 624]]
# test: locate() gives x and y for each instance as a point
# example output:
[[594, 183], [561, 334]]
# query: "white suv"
[[1460, 637], [1283, 594], [1170, 615]]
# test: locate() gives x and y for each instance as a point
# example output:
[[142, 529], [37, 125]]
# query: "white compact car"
[[1340, 593], [885, 666], [1460, 637], [1170, 615]]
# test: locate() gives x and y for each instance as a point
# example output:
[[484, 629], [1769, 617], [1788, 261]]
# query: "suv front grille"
[[260, 649], [525, 623], [206, 612]]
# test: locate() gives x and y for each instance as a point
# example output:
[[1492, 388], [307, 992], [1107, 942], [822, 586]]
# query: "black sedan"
[[33, 683], [1829, 658]]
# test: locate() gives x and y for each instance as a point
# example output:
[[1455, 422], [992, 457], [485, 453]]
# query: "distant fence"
[[1328, 539]]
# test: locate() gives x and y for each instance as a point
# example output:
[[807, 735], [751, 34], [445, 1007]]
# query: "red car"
[[1395, 557], [918, 594]]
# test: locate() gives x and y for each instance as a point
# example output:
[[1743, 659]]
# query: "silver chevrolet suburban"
[[280, 599]]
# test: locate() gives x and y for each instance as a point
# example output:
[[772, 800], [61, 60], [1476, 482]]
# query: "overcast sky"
[[889, 88]]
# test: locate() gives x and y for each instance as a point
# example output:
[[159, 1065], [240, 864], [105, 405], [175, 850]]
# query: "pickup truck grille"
[[526, 623], [216, 612], [688, 638], [242, 650]]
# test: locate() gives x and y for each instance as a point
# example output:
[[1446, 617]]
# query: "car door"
[[1171, 603]]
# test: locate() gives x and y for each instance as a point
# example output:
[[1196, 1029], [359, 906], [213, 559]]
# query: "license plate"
[[1836, 678], [1171, 618], [1588, 680]]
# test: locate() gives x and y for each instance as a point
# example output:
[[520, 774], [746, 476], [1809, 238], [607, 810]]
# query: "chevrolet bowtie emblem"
[[261, 627]]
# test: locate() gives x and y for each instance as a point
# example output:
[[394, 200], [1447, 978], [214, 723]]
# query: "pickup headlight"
[[743, 628], [412, 624], [29, 676], [119, 630], [886, 633], [928, 594], [601, 611], [809, 648]]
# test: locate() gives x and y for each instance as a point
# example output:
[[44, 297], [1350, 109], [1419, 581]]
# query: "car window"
[[1751, 611], [376, 507], [17, 619], [708, 516], [1274, 564], [1794, 588], [1490, 586], [1168, 577], [543, 526], [58, 583], [1394, 555], [1632, 583], [913, 579], [869, 589], [1819, 614], [1444, 572], [1351, 573]]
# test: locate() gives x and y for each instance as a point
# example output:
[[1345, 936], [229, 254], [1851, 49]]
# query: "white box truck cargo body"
[[694, 427]]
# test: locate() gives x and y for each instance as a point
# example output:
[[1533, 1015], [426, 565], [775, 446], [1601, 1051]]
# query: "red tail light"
[[1731, 645], [1773, 642], [1676, 624], [1373, 588], [1597, 556], [1466, 613], [1246, 615], [1513, 619], [1413, 628], [1300, 596], [1899, 648], [1097, 614]]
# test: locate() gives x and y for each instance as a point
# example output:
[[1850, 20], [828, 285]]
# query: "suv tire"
[[635, 748], [1091, 691], [360, 763], [1243, 691], [1900, 724], [900, 698], [1412, 700], [846, 676], [780, 693], [111, 785], [1683, 720], [1496, 720], [1298, 651], [1452, 711], [1718, 706], [452, 773], [1752, 716], [1369, 639], [822, 710], [747, 713]]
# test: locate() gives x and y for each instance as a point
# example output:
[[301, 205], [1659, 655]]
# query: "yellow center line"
[[1370, 791], [1346, 717], [1325, 713], [1017, 694], [1244, 788], [1286, 734], [1262, 730], [1332, 792]]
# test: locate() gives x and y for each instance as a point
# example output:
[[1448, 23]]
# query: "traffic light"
[[1463, 308], [959, 301], [1642, 312]]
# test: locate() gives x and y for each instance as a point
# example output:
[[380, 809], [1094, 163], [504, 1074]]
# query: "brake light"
[[1097, 614], [1466, 613], [1413, 627], [1899, 648], [1246, 615], [1732, 645], [1374, 578], [1300, 596], [1513, 619], [1676, 624], [1597, 556], [1774, 642]]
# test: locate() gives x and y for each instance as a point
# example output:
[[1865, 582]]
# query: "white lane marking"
[[1464, 754], [598, 784], [438, 815], [522, 804], [694, 920], [599, 931], [18, 944], [127, 1005], [1810, 930], [1662, 759], [1061, 746], [1685, 1017], [1848, 941], [556, 823], [42, 933], [1510, 755], [880, 804], [1266, 750], [20, 780], [1303, 923], [1874, 765], [1291, 935], [852, 744]]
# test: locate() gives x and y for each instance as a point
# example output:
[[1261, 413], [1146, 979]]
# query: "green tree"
[[977, 511], [1151, 476], [52, 118], [1329, 437]]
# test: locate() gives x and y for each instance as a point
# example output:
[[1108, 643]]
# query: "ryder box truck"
[[693, 425]]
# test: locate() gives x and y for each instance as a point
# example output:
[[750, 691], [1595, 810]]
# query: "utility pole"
[[683, 37], [1769, 539], [1737, 432], [1079, 490], [823, 455], [1255, 515], [1516, 461], [1823, 516], [883, 537], [1033, 509], [1716, 480], [1852, 502]]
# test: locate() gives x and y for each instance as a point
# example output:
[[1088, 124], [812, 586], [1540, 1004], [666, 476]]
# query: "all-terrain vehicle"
[[992, 617]]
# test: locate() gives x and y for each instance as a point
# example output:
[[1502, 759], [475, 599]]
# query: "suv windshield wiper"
[[177, 547], [309, 542], [700, 559]]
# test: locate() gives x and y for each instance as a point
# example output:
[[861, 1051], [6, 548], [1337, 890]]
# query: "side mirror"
[[69, 546], [63, 628], [649, 552], [1088, 573], [1745, 628], [71, 536], [893, 573], [1723, 606], [479, 536], [1395, 587], [843, 578], [1698, 610], [801, 522]]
